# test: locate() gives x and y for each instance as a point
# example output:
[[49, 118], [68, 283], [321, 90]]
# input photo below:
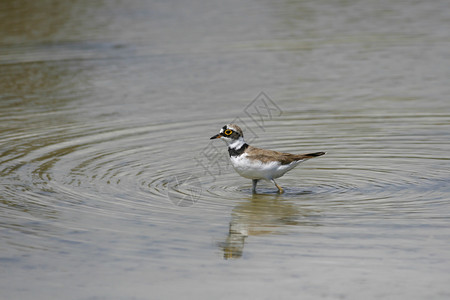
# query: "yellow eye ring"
[[228, 132]]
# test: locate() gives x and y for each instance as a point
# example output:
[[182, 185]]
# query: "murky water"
[[111, 189]]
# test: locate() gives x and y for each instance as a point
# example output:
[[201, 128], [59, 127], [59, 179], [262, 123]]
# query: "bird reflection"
[[260, 214]]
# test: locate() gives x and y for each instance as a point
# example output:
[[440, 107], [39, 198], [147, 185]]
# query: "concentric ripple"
[[103, 170], [144, 171]]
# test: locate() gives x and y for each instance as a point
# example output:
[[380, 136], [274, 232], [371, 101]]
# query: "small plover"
[[255, 163]]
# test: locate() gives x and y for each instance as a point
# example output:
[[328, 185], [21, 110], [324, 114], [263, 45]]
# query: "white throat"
[[237, 144]]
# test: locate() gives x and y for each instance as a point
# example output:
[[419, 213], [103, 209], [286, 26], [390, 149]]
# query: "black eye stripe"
[[229, 133]]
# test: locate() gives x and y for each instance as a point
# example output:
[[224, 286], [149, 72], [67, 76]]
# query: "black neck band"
[[236, 152]]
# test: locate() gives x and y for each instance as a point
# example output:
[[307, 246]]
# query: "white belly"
[[254, 169]]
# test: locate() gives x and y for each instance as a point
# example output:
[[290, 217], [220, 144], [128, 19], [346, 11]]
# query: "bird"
[[256, 163]]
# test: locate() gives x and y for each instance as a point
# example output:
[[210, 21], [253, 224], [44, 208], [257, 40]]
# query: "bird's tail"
[[315, 154], [309, 155]]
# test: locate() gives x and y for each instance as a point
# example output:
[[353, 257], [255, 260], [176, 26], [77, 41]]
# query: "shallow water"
[[111, 189]]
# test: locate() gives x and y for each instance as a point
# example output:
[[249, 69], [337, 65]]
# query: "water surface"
[[111, 189]]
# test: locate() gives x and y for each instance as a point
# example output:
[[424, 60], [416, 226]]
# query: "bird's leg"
[[254, 183], [280, 189]]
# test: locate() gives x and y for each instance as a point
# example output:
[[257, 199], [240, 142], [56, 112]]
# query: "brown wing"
[[285, 158]]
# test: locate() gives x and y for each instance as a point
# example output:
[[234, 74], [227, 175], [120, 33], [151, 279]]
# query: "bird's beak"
[[217, 136]]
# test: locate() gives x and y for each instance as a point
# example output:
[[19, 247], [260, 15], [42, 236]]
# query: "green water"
[[111, 189]]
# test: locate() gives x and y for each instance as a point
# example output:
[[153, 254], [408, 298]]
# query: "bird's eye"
[[228, 132]]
